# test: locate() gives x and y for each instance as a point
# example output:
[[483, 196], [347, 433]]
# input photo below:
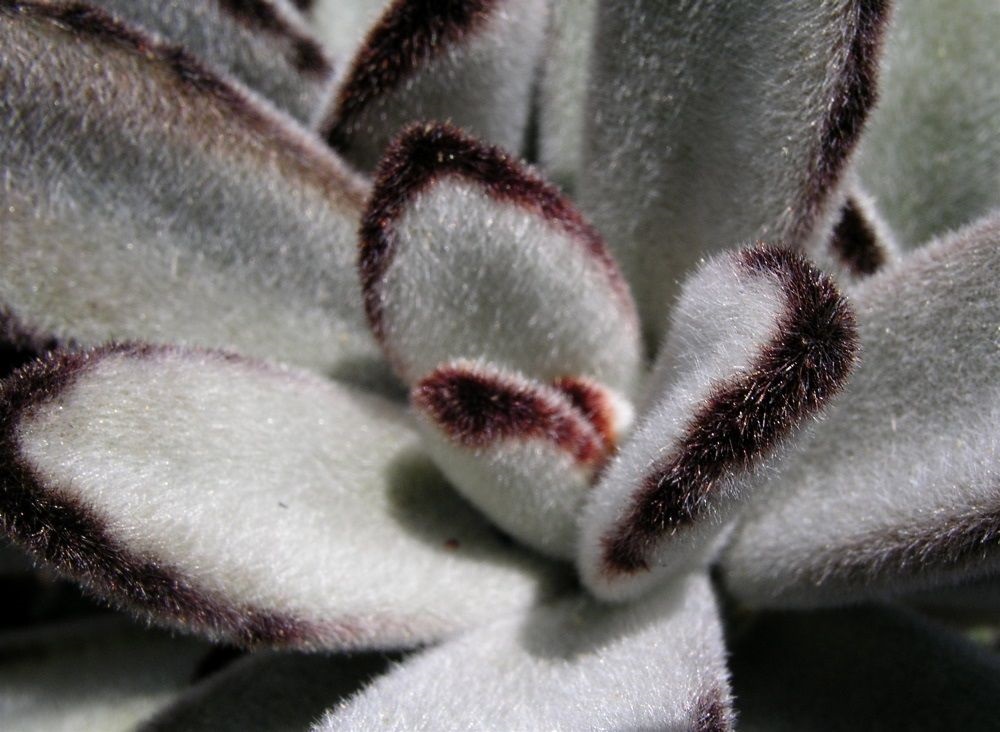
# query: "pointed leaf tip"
[[575, 664]]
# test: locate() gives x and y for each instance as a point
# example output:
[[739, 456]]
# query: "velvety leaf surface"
[[470, 62], [760, 341], [466, 253], [342, 24], [562, 89], [263, 43], [897, 489], [932, 155], [860, 242], [578, 664], [712, 123], [249, 503], [146, 198], [524, 452]]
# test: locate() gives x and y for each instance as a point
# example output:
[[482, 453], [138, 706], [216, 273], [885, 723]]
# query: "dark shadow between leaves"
[[425, 506], [370, 374], [583, 625], [271, 691], [864, 669]]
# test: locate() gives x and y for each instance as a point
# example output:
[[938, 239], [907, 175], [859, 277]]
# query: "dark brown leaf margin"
[[190, 75], [855, 242], [713, 711], [67, 535], [427, 152], [853, 96], [86, 20], [304, 53], [594, 403], [808, 361], [478, 408], [409, 35]]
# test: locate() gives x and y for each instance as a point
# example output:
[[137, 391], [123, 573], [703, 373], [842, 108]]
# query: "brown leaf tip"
[[305, 54], [855, 242], [713, 712], [409, 35], [852, 97], [807, 361], [477, 408], [425, 153], [594, 403]]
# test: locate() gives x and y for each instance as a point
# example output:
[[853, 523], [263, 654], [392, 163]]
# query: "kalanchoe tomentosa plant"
[[302, 356]]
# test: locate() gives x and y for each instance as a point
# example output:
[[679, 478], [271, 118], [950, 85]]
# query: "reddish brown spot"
[[855, 242], [478, 409], [53, 526], [713, 712], [745, 418], [424, 154], [451, 544], [854, 94], [304, 53], [410, 34], [594, 403]]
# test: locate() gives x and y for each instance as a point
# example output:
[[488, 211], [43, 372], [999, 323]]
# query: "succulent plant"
[[307, 358]]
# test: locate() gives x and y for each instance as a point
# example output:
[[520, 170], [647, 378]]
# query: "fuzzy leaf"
[[465, 253], [897, 489], [577, 664], [710, 124], [760, 342], [932, 154], [145, 198], [263, 43], [245, 502], [859, 243], [471, 62], [342, 24], [562, 89], [524, 452]]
